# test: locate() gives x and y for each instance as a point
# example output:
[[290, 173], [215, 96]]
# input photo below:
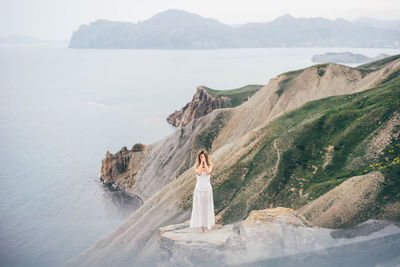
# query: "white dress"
[[203, 203]]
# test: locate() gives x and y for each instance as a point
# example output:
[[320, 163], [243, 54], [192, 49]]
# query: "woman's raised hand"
[[203, 161]]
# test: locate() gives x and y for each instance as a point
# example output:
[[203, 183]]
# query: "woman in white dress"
[[203, 203]]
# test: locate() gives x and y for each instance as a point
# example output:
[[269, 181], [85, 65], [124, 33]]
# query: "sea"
[[62, 109]]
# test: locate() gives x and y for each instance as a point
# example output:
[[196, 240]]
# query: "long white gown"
[[203, 203]]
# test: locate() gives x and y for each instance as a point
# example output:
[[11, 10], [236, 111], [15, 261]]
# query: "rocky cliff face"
[[201, 104], [120, 169], [206, 100], [298, 138]]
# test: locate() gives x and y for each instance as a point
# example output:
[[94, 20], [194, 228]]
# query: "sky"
[[57, 19]]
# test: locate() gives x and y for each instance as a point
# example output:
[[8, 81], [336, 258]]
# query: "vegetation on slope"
[[237, 96], [317, 144], [376, 65]]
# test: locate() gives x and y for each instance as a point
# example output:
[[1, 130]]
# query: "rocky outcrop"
[[179, 244], [201, 104], [120, 169], [265, 235], [205, 100], [286, 215]]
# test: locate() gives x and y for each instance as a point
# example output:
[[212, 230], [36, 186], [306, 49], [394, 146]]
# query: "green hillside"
[[300, 140], [237, 96], [376, 65]]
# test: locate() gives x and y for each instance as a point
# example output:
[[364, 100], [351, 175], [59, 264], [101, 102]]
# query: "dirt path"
[[279, 158]]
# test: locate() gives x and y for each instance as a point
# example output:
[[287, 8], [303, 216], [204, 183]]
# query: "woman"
[[203, 204]]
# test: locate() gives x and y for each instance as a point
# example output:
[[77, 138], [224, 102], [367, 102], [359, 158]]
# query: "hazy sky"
[[57, 19]]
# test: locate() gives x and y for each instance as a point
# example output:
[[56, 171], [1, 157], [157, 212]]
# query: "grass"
[[391, 77], [236, 96], [389, 164], [378, 64]]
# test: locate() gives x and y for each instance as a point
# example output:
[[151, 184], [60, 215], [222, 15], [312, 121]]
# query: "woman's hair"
[[198, 160]]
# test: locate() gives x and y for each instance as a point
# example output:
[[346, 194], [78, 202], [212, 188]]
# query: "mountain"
[[346, 57], [169, 29], [178, 29], [323, 141]]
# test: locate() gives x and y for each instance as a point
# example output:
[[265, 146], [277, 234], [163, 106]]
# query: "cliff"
[[307, 132], [206, 100], [120, 169]]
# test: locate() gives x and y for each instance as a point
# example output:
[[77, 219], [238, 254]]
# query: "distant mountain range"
[[178, 29]]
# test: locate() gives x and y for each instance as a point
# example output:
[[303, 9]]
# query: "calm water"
[[60, 111]]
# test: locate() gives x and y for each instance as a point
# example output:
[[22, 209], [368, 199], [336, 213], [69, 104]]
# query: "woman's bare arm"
[[208, 168], [198, 170]]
